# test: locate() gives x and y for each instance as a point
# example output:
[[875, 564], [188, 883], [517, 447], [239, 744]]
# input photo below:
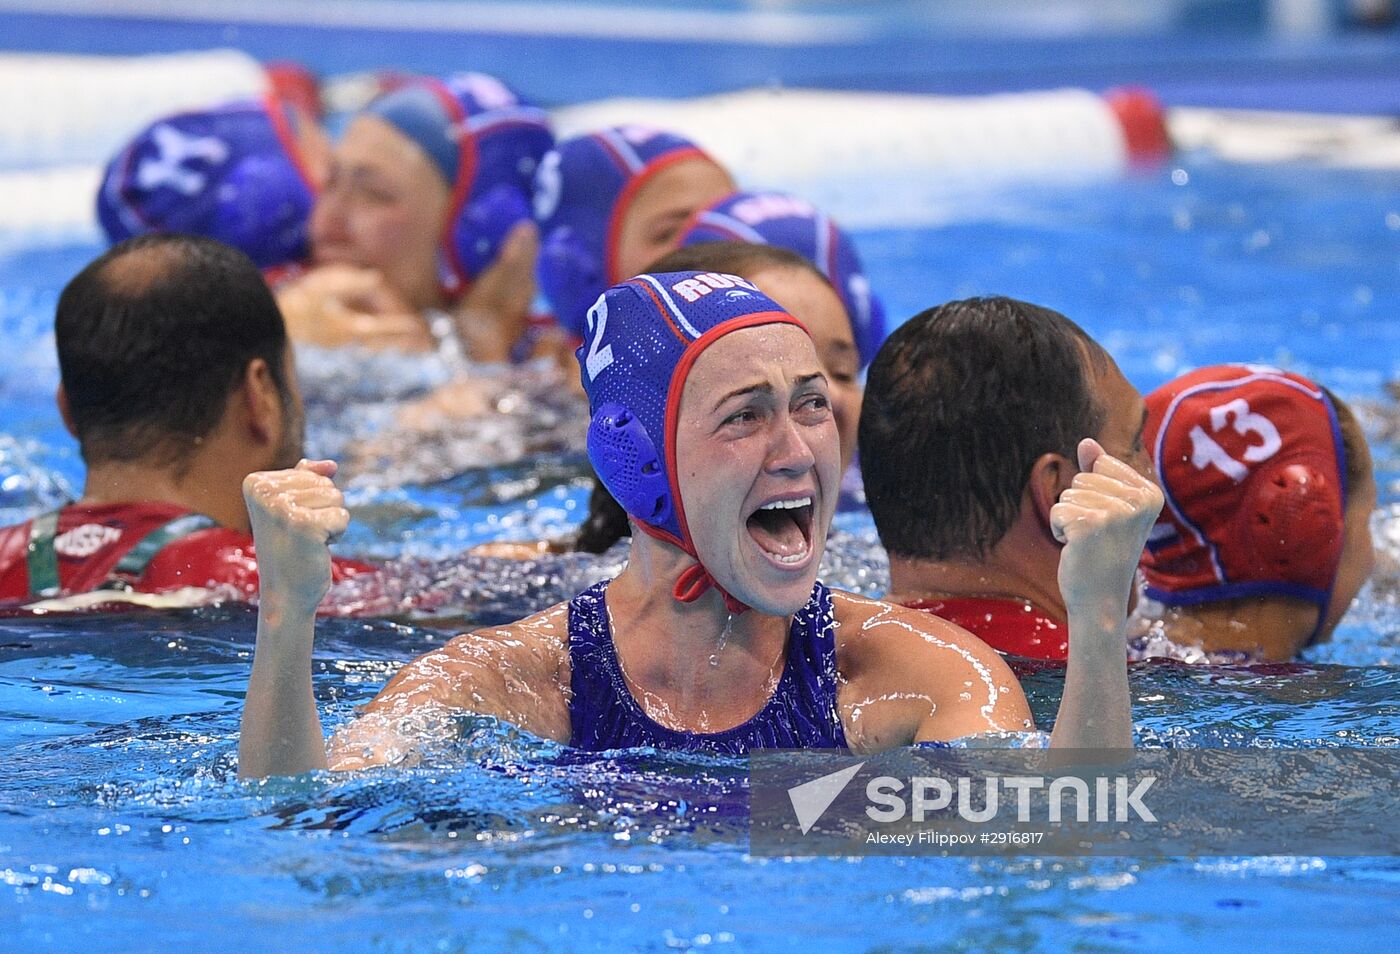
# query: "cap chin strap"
[[695, 581]]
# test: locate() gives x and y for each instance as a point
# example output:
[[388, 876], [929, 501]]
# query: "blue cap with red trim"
[[582, 192], [775, 218], [487, 142], [230, 173], [642, 338]]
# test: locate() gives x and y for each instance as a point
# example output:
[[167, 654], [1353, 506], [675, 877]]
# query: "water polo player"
[[426, 209], [609, 204], [712, 426], [798, 255], [1265, 539], [243, 173]]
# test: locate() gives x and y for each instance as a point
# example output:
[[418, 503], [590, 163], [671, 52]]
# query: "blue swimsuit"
[[801, 714]]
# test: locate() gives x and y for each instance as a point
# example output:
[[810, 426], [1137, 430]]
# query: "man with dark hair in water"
[[176, 378], [990, 396]]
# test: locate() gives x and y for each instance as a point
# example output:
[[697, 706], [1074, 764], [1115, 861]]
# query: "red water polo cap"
[[1252, 466]]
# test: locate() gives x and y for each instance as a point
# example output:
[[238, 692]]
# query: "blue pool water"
[[124, 828], [122, 821]]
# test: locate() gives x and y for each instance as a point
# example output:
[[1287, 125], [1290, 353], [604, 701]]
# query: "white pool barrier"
[[50, 206], [869, 158], [874, 158], [81, 109]]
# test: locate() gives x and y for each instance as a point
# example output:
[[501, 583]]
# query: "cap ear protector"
[[1294, 522], [627, 462], [510, 140], [569, 273], [496, 199], [272, 231], [479, 230]]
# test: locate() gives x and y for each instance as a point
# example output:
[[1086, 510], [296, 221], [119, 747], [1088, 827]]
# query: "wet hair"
[[1357, 463], [960, 402], [153, 336], [607, 522]]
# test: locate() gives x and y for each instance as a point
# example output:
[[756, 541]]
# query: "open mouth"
[[783, 530]]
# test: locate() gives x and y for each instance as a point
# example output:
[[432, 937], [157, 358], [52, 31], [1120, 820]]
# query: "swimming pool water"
[[124, 828]]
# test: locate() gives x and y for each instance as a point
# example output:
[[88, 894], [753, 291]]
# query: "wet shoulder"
[[517, 672], [535, 648], [874, 634], [909, 675]]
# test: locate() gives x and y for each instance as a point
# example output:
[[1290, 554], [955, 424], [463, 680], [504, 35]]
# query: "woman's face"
[[652, 223], [384, 206], [758, 464], [811, 300]]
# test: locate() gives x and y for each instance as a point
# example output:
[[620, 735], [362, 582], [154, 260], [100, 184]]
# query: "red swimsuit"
[[150, 547], [1014, 627]]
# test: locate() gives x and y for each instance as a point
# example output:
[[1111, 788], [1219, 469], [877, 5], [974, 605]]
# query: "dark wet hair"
[[606, 522], [1354, 449], [153, 336], [959, 403]]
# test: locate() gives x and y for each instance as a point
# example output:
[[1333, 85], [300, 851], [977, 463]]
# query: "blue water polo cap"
[[231, 173], [641, 339], [775, 218], [487, 142], [582, 193]]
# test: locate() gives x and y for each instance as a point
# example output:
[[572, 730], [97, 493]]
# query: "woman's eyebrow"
[[762, 387]]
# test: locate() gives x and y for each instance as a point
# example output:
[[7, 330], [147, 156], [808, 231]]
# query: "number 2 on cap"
[[599, 355]]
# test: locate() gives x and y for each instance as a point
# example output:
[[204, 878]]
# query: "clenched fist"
[[295, 514], [1103, 519]]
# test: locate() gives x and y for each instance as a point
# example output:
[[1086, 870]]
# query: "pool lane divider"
[[613, 21], [871, 159]]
